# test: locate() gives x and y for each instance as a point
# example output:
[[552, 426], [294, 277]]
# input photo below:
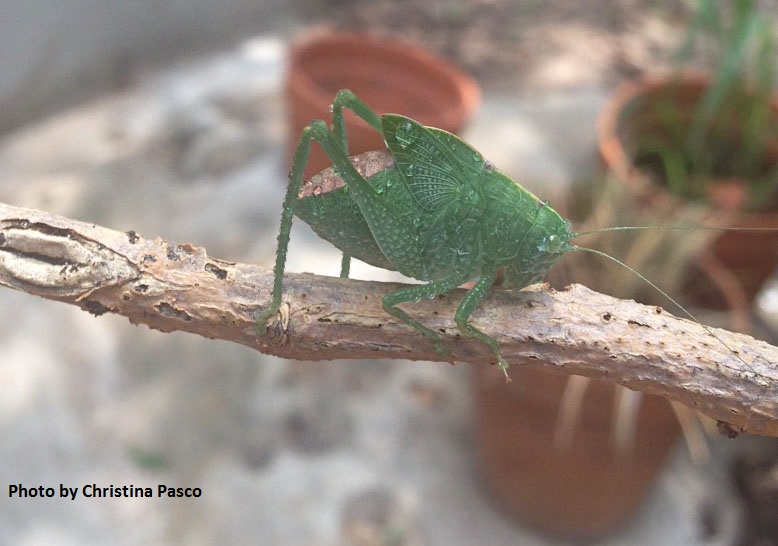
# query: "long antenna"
[[672, 300], [664, 228]]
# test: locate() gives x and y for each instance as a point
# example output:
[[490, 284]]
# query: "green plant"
[[729, 135]]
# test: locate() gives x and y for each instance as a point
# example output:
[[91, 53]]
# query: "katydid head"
[[540, 247]]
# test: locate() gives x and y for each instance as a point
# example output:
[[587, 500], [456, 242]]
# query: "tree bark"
[[731, 377]]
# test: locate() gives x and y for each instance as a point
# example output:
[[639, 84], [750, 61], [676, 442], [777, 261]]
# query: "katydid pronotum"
[[430, 207]]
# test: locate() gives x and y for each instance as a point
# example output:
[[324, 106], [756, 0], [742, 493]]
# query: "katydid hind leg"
[[315, 131], [390, 228], [287, 216], [346, 99], [362, 192], [333, 144]]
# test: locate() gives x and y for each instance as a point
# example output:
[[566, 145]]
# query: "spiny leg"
[[287, 215], [473, 297], [319, 132], [416, 293], [345, 266], [347, 99]]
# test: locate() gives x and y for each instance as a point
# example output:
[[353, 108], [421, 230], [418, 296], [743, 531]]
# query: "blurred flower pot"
[[582, 488], [738, 262], [390, 76]]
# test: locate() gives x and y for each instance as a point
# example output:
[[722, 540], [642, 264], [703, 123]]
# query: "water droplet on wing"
[[406, 134]]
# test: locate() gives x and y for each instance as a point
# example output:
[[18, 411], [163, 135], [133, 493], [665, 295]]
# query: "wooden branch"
[[179, 287]]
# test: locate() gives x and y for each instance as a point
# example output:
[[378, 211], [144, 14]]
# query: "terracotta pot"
[[390, 76], [747, 257], [585, 490]]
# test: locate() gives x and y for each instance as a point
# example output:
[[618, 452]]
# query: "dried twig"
[[582, 332]]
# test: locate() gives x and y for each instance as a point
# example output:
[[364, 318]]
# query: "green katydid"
[[430, 207]]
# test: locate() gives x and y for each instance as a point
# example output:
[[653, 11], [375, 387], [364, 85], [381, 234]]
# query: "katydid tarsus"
[[430, 207]]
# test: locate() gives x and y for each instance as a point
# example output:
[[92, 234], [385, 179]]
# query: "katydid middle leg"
[[466, 307], [416, 293]]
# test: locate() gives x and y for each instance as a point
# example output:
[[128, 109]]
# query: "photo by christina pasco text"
[[94, 491]]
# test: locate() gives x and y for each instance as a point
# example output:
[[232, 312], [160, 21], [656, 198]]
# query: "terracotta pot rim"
[[406, 55], [616, 159]]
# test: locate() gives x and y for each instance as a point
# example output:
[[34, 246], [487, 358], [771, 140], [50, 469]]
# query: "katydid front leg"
[[466, 307]]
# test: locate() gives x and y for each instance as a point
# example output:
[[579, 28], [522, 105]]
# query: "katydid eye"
[[551, 244]]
